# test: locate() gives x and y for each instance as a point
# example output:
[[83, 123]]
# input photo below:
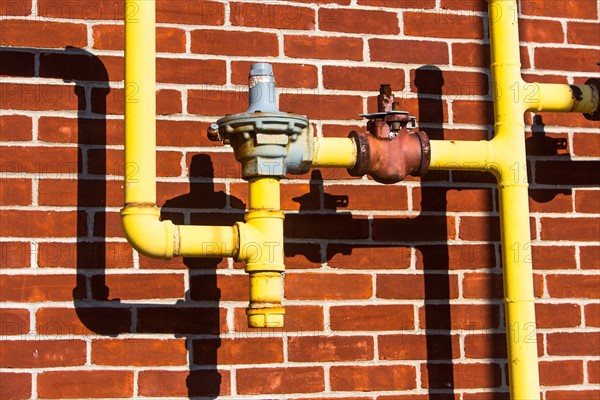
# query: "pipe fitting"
[[147, 233], [594, 83]]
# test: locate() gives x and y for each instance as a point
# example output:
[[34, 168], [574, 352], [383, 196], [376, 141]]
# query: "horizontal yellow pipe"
[[460, 155], [564, 98], [334, 153], [207, 241]]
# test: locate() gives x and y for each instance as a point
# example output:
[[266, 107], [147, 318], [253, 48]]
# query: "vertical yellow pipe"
[[140, 102], [261, 246], [508, 148]]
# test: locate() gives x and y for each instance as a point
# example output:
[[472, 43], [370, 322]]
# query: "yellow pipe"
[[261, 247], [140, 216], [564, 98], [334, 153]]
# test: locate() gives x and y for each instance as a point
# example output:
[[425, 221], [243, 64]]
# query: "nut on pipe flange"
[[265, 310]]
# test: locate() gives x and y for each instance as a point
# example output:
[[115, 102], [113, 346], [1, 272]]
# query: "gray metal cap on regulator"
[[261, 83]]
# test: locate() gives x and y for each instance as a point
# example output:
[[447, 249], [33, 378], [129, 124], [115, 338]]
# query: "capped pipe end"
[[265, 317], [261, 69]]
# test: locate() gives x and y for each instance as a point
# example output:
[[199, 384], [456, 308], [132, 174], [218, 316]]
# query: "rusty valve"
[[393, 147]]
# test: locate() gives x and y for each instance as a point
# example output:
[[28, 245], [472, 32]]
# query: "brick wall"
[[392, 292]]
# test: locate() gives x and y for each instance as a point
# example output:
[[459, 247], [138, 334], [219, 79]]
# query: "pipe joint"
[[147, 234]]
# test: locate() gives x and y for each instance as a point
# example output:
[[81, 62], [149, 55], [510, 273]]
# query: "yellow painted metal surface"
[[334, 153]]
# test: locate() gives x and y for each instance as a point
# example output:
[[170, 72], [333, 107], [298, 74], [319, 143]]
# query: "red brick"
[[15, 386], [418, 286], [553, 257], [164, 286], [85, 384], [139, 352], [15, 192], [48, 34], [443, 25], [17, 7], [183, 384], [190, 71], [459, 85], [420, 4], [41, 160], [111, 37], [372, 318], [326, 226], [233, 43], [17, 63], [553, 316], [570, 229], [42, 223], [330, 349], [413, 51], [272, 16], [101, 10], [571, 9], [42, 354], [167, 101], [297, 319], [40, 288], [419, 347], [540, 31], [573, 344], [372, 378], [183, 320], [592, 315], [219, 287], [111, 162], [461, 376], [372, 257], [586, 144], [53, 192], [189, 134], [573, 286], [454, 257], [583, 33], [318, 286], [217, 102], [568, 394], [414, 229], [559, 373], [464, 5], [80, 130], [361, 78], [15, 128], [460, 316], [21, 96], [15, 254], [589, 257], [287, 75], [328, 48], [14, 321], [322, 106], [85, 255], [570, 59], [473, 112], [189, 13], [587, 201], [489, 286], [280, 380], [471, 55], [431, 198], [495, 395], [593, 371], [429, 111], [358, 21], [82, 320], [567, 173], [485, 346], [238, 351], [550, 200]]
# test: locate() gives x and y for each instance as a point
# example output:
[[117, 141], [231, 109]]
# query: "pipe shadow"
[[99, 253]]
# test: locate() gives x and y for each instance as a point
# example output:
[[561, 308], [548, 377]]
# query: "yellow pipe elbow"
[[147, 234]]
